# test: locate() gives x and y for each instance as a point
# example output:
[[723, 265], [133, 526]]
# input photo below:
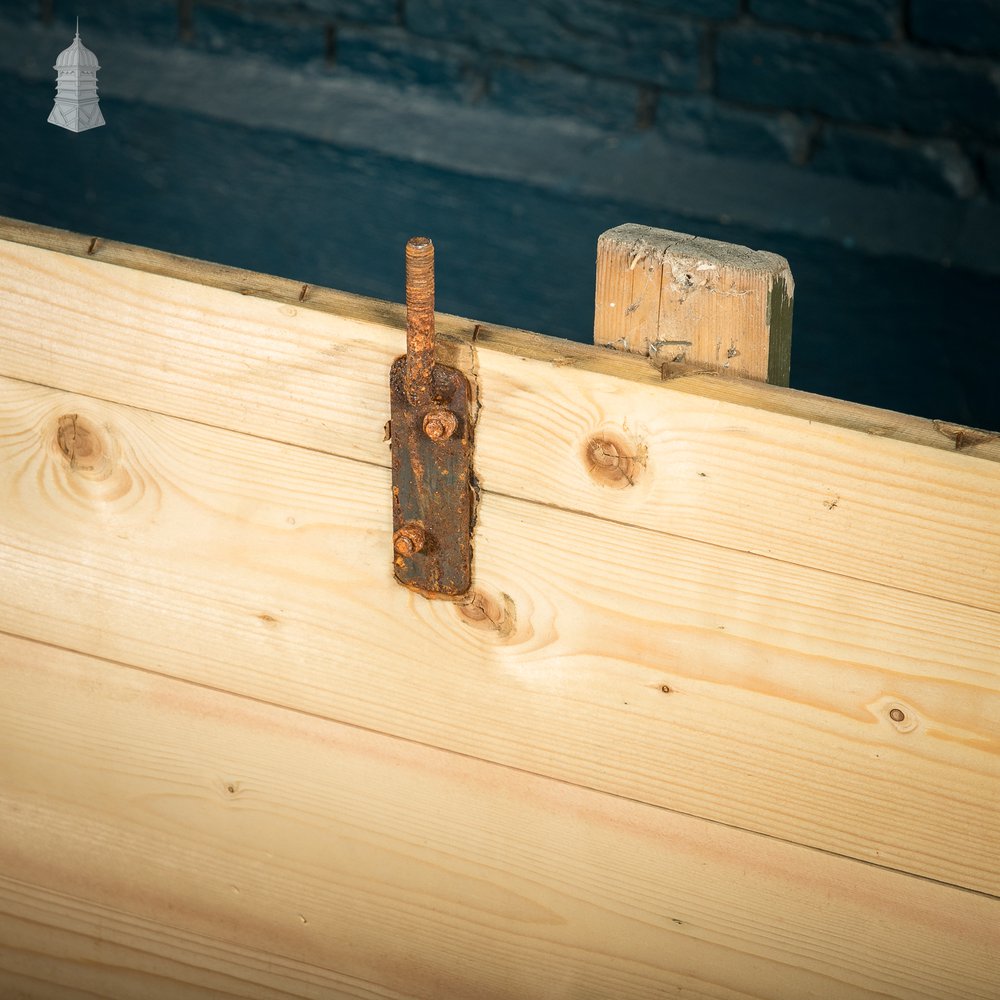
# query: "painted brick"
[[991, 172], [939, 166], [714, 9], [702, 122], [858, 83], [969, 25], [606, 37], [868, 19], [397, 57], [154, 21], [279, 38], [20, 11], [547, 89], [362, 11]]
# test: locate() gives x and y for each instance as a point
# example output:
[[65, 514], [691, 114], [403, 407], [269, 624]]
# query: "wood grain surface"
[[719, 683], [866, 493], [719, 719], [686, 300], [57, 946], [272, 839]]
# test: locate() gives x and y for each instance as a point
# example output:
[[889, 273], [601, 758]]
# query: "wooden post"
[[687, 300]]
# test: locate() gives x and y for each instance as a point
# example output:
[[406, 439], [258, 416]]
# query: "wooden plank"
[[867, 493], [433, 875], [715, 682], [686, 300], [54, 946]]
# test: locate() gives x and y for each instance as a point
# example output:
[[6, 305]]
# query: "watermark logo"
[[76, 106]]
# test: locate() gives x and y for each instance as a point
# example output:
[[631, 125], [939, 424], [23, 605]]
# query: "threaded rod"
[[419, 319]]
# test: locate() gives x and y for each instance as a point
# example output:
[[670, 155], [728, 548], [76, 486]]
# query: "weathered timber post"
[[691, 301]]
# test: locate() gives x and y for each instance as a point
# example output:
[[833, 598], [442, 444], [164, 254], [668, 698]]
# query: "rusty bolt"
[[409, 540], [440, 424], [419, 319]]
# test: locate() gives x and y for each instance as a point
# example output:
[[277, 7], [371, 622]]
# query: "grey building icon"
[[76, 105]]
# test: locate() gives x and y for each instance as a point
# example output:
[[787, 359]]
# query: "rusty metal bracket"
[[431, 434]]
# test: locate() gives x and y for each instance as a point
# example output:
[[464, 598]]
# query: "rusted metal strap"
[[431, 433]]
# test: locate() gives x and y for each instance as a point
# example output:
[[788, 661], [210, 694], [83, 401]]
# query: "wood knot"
[[489, 612], [84, 448], [902, 717], [613, 460], [231, 789], [76, 441], [88, 459]]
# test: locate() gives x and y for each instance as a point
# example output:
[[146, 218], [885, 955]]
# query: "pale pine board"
[[264, 569], [866, 493], [54, 946], [434, 875]]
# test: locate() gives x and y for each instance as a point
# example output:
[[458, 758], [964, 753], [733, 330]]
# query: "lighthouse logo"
[[76, 106]]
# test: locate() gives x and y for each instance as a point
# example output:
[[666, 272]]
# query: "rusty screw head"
[[440, 424], [409, 540]]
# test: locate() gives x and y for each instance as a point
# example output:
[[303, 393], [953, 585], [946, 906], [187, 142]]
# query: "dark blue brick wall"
[[297, 38], [602, 37], [18, 12], [926, 93], [937, 165], [991, 167], [967, 25], [715, 9], [153, 21], [700, 120], [366, 11], [543, 88], [896, 93], [396, 56], [872, 20]]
